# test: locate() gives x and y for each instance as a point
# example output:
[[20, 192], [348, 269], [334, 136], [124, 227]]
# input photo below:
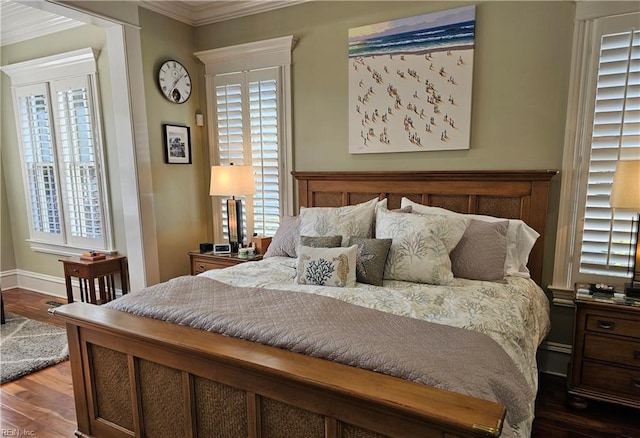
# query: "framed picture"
[[177, 144]]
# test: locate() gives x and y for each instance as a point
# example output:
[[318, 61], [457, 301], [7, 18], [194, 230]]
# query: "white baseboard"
[[41, 283]]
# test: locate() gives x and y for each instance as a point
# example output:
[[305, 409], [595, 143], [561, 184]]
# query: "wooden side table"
[[88, 271]]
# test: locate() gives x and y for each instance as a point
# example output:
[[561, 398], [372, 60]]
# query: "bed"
[[140, 376]]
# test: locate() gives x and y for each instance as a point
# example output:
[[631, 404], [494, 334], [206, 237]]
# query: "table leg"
[[92, 290], [124, 276], [67, 282], [103, 292]]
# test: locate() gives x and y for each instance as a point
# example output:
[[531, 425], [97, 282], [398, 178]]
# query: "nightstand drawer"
[[605, 323], [612, 379], [199, 266], [609, 349]]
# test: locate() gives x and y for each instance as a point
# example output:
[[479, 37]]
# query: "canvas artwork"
[[410, 83]]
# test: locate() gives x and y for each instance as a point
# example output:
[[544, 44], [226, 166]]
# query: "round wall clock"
[[174, 81]]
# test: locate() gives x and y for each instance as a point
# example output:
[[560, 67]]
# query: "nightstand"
[[201, 262], [605, 362]]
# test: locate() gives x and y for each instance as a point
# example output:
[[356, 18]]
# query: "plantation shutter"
[[38, 152], [248, 134], [57, 112], [263, 119], [605, 248], [76, 139]]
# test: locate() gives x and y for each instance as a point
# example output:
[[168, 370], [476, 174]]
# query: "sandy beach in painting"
[[427, 94]]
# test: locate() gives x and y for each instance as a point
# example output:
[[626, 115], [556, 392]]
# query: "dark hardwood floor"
[[41, 404]]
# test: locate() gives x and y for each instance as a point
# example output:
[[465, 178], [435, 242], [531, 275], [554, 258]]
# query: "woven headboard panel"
[[509, 194]]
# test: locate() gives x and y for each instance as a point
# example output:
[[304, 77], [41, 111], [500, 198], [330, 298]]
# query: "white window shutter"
[[247, 132], [605, 239]]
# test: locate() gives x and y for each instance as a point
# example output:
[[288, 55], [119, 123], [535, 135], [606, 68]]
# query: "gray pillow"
[[481, 252], [285, 241], [321, 241], [370, 259]]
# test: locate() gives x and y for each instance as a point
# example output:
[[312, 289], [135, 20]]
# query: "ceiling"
[[20, 22]]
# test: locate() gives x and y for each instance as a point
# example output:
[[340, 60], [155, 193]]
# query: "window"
[[247, 133], [55, 103], [603, 126], [604, 244], [248, 99]]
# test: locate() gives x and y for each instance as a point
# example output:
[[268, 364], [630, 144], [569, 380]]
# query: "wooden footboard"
[[135, 376]]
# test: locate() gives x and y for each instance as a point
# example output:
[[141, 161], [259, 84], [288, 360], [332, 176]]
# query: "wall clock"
[[174, 81]]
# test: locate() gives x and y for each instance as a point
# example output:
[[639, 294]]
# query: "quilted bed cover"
[[514, 314]]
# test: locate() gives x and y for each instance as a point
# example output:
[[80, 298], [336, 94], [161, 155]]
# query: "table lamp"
[[625, 194], [231, 181]]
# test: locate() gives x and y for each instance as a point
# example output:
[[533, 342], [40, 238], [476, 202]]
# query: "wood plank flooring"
[[41, 404]]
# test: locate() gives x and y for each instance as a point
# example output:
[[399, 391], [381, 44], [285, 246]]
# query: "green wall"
[[521, 71], [181, 198]]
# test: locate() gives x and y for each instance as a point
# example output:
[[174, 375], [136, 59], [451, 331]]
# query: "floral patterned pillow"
[[327, 266], [352, 220], [420, 247]]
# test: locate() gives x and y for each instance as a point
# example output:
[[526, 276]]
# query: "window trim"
[[275, 52], [44, 72], [575, 160]]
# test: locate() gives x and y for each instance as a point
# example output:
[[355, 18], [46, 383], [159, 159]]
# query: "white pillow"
[[351, 220], [327, 266], [520, 236], [420, 245]]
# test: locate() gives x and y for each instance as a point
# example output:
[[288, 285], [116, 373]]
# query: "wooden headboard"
[[508, 194]]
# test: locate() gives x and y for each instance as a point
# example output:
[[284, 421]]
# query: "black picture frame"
[[177, 143]]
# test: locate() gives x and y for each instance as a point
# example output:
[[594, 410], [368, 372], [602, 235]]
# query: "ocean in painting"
[[456, 35]]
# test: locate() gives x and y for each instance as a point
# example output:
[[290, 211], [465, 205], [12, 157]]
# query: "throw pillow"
[[285, 241], [481, 252], [321, 241], [421, 245], [371, 257], [327, 266], [351, 220]]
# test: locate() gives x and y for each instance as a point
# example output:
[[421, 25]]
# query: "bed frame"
[[135, 376]]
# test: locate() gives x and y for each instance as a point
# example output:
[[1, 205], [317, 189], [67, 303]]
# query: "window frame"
[[258, 55], [576, 157], [47, 74]]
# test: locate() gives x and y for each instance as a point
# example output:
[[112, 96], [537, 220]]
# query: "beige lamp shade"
[[232, 180], [625, 192]]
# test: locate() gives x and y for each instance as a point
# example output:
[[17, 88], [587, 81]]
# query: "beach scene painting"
[[410, 83]]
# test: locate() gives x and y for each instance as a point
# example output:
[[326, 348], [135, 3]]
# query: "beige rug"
[[27, 345]]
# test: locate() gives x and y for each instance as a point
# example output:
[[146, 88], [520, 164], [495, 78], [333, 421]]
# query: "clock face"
[[174, 82]]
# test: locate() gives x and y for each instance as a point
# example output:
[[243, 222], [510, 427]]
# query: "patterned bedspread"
[[515, 314]]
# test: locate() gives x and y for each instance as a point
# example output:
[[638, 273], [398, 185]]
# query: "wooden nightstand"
[[605, 362], [201, 262]]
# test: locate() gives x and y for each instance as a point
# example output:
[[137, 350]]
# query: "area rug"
[[27, 346]]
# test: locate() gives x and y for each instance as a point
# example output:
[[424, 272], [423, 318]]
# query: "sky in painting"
[[402, 25]]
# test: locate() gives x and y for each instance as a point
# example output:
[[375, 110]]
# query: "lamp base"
[[632, 289]]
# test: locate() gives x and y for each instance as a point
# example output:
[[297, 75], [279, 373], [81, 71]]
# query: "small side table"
[[87, 271]]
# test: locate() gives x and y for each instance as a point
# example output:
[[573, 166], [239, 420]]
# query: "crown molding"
[[200, 13]]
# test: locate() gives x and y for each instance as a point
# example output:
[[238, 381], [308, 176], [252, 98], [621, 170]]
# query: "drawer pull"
[[202, 267], [607, 325], [636, 383], [636, 355]]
